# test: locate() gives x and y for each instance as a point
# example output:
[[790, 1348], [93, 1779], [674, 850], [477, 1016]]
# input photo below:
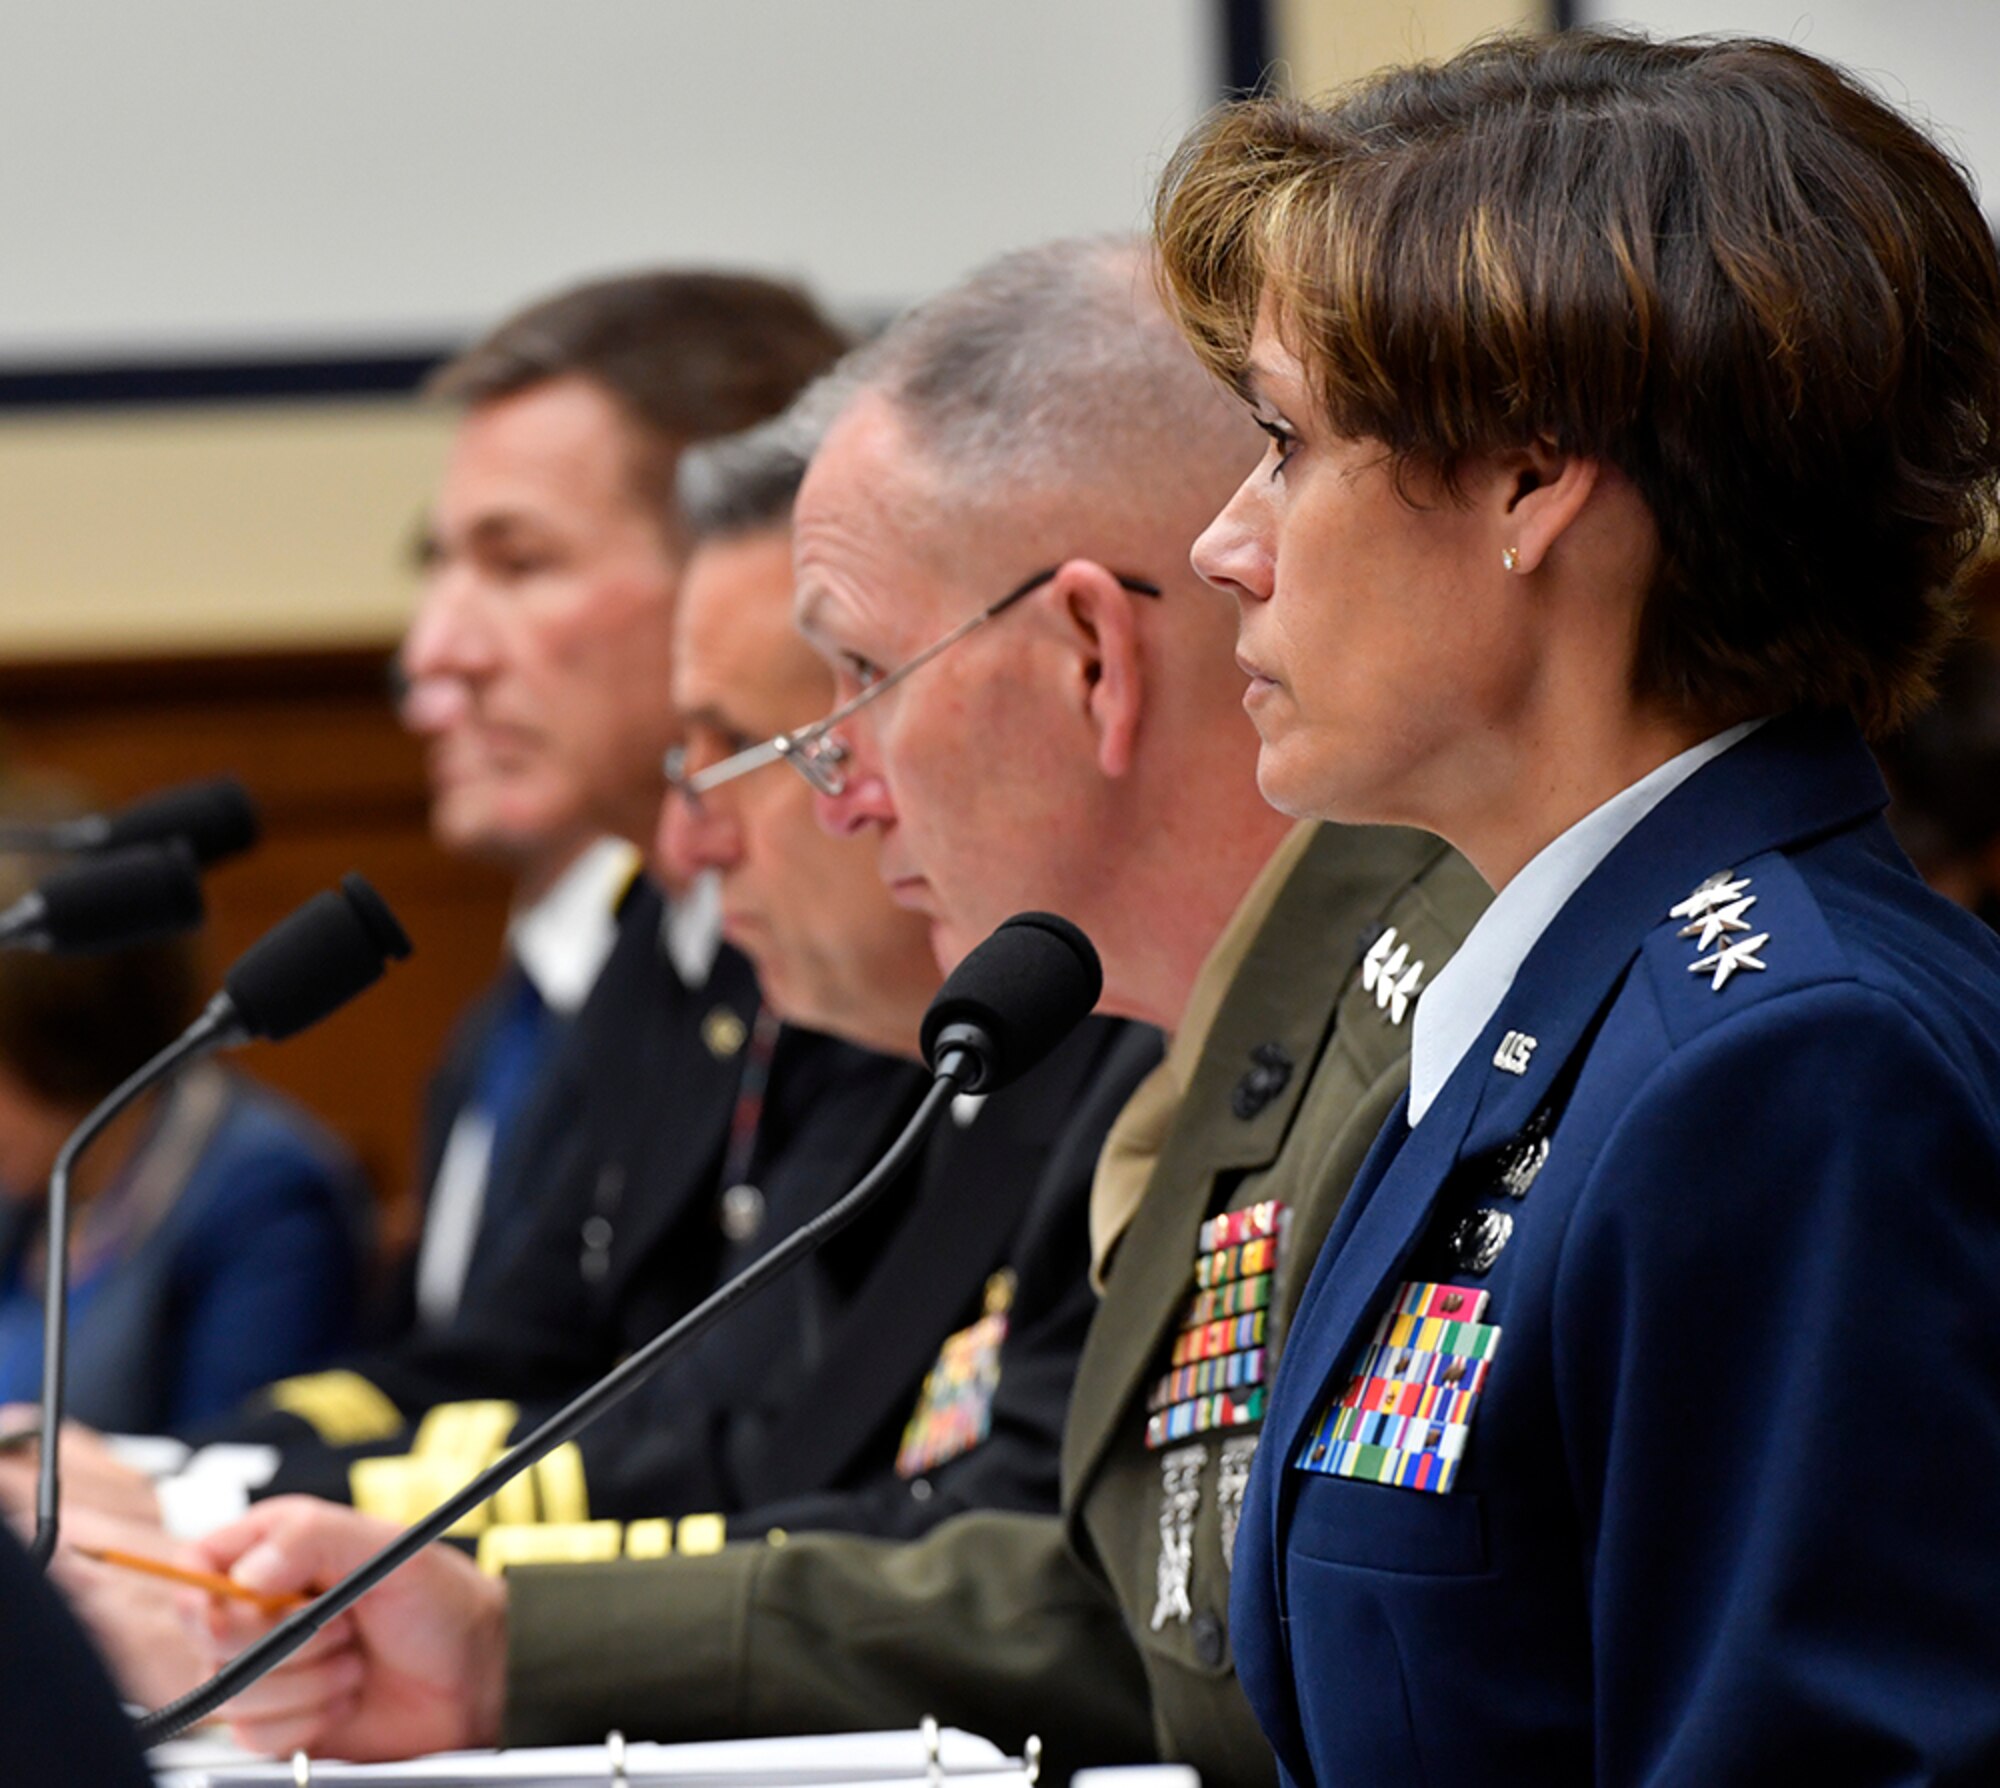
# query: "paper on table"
[[833, 1760]]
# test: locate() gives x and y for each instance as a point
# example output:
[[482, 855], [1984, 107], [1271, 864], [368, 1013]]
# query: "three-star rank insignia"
[[1388, 973], [1723, 940]]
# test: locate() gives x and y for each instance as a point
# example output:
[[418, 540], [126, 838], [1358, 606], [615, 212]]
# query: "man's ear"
[[1108, 687], [1541, 492]]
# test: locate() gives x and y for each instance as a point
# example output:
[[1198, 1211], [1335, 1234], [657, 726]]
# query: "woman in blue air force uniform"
[[1629, 404]]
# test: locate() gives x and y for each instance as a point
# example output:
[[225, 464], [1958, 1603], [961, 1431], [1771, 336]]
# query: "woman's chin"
[[1292, 782]]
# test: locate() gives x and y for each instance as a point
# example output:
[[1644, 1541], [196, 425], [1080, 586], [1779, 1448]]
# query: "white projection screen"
[[1938, 60], [227, 178]]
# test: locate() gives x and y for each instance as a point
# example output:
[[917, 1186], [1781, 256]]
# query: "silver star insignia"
[[1383, 974], [1718, 920], [1718, 890], [1726, 961]]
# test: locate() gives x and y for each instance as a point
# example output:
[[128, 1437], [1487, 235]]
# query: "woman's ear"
[[1104, 636], [1541, 493]]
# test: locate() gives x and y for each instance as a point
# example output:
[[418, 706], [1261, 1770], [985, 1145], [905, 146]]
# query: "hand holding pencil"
[[265, 1601]]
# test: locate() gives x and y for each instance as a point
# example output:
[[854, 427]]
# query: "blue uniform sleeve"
[[1777, 1349], [269, 1284]]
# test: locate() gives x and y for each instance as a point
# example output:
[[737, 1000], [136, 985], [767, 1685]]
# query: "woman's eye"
[[1283, 442]]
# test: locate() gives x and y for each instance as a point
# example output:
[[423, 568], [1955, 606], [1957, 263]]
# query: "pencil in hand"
[[266, 1601]]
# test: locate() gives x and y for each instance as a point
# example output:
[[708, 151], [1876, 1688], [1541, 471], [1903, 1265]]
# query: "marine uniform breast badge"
[[954, 1410], [1215, 1381]]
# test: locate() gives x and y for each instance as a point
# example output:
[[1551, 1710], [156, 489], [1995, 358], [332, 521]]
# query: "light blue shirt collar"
[[1457, 1006]]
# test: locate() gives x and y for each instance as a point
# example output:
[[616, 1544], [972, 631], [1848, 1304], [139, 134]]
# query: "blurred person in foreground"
[[1632, 407], [1001, 503], [60, 1722]]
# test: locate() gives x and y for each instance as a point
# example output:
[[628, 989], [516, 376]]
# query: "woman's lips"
[[1261, 682]]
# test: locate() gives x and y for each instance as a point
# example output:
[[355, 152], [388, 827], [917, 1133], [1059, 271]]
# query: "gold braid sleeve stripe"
[[474, 1430], [342, 1408], [505, 1545], [582, 1542]]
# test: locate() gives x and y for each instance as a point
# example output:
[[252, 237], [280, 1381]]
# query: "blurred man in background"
[[538, 668]]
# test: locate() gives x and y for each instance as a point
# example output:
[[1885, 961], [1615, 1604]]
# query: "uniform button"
[[597, 1235], [741, 1213], [1210, 1640], [920, 1489]]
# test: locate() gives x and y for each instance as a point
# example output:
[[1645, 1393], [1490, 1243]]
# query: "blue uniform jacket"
[[247, 1268], [1725, 1512]]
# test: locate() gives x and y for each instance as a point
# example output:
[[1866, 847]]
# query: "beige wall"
[[204, 529], [1327, 42]]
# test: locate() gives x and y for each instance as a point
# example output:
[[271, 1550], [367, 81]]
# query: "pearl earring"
[[1510, 558]]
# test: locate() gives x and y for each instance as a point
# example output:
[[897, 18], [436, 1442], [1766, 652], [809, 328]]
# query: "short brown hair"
[[1719, 265], [687, 355]]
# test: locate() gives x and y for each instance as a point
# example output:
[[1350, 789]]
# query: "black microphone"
[[1031, 983], [299, 971], [1014, 999], [128, 896], [214, 819]]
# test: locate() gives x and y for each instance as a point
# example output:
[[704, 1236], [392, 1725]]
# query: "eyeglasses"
[[814, 751]]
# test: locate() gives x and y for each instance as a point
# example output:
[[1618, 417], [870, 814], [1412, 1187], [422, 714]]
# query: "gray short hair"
[[741, 483], [1054, 367]]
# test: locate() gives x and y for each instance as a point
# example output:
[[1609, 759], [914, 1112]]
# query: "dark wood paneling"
[[341, 787]]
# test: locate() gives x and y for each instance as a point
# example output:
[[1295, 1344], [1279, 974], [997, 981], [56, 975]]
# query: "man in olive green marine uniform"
[[1087, 754]]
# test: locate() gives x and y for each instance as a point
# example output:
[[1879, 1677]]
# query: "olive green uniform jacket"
[[1070, 1628]]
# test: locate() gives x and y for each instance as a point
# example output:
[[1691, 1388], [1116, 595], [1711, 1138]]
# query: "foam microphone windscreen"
[[215, 819], [1024, 989], [124, 897], [314, 962]]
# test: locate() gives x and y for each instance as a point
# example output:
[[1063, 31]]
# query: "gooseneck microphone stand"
[[999, 1012], [294, 1630], [212, 1030]]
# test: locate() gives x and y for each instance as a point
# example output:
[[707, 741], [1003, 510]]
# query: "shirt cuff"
[[213, 1488]]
